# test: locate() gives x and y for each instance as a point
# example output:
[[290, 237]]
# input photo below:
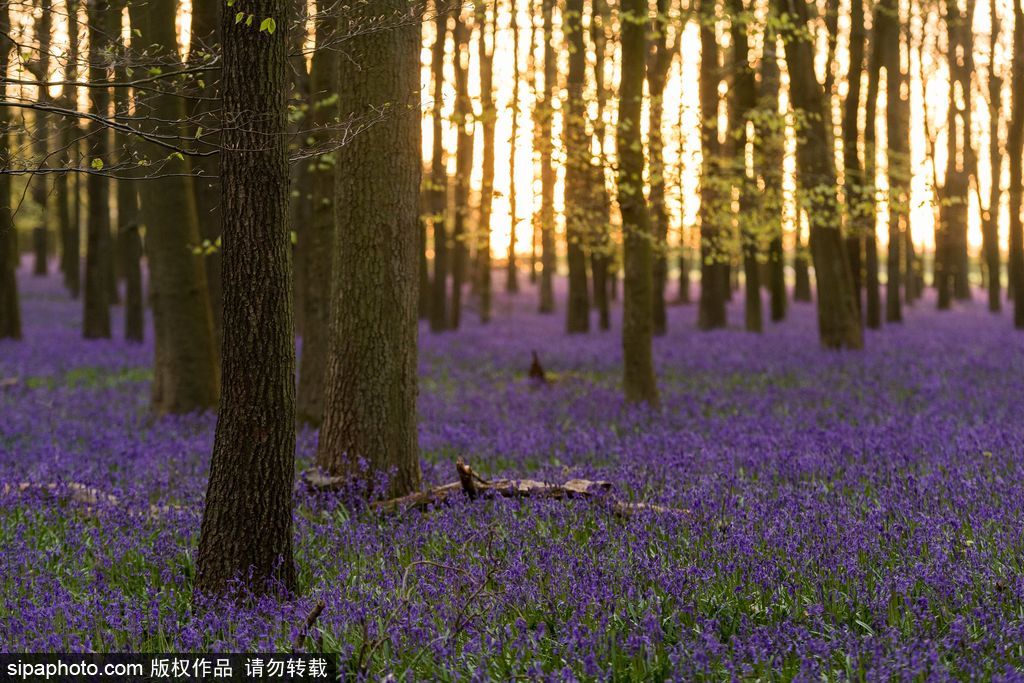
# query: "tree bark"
[[660, 55], [897, 87], [464, 123], [370, 409], [489, 114], [319, 236], [769, 157], [10, 312], [885, 34], [41, 143], [638, 366], [68, 187], [858, 214], [577, 172], [96, 317], [1015, 150], [713, 278], [186, 376], [439, 179], [990, 216], [545, 113], [838, 322], [247, 524], [602, 249]]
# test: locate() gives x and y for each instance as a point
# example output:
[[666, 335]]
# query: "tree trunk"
[[463, 166], [511, 271], [439, 179], [659, 61], [714, 283], [885, 34], [186, 376], [96, 317], [41, 140], [370, 410], [769, 157], [10, 313], [859, 203], [68, 187], [488, 26], [744, 100], [577, 172], [545, 114], [602, 248], [319, 236], [990, 217], [301, 196], [204, 45], [1015, 150], [247, 524], [638, 366], [897, 126], [838, 322]]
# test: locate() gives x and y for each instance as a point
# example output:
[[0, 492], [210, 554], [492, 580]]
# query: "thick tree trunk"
[[577, 172], [714, 283], [838, 322], [10, 312], [545, 113], [439, 179], [96, 317], [370, 409], [247, 524], [744, 100], [638, 365], [769, 158], [319, 236], [487, 42], [186, 376], [1015, 150]]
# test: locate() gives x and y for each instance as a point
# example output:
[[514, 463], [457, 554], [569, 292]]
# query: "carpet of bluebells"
[[848, 515]]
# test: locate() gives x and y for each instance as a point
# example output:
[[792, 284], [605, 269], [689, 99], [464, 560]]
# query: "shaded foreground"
[[848, 513]]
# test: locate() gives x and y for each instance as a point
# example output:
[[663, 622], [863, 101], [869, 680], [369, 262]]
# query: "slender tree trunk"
[[204, 46], [602, 249], [372, 385], [1015, 150], [897, 127], [463, 166], [487, 43], [638, 366], [859, 203], [990, 217], [659, 61], [96, 317], [68, 187], [714, 283], [838, 322], [744, 100], [511, 271], [300, 116], [577, 172], [247, 524], [10, 312], [320, 234], [40, 68], [439, 179], [186, 376], [545, 114], [885, 35], [769, 158]]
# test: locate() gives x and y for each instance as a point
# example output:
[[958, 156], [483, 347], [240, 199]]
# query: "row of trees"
[[194, 150]]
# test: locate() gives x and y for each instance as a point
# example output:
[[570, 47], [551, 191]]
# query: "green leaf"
[[248, 20], [239, 17], [268, 25], [97, 164]]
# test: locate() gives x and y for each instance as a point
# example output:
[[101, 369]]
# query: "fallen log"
[[81, 494], [8, 382], [471, 484]]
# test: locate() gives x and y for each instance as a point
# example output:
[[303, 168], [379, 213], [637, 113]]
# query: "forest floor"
[[847, 515]]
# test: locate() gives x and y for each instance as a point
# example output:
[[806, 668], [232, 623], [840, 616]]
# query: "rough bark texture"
[[370, 410], [10, 312], [186, 376], [1015, 150], [96, 318], [439, 181], [638, 366], [577, 172], [744, 100], [545, 113], [463, 120], [838, 322], [713, 278], [486, 42], [769, 156], [319, 236], [247, 525]]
